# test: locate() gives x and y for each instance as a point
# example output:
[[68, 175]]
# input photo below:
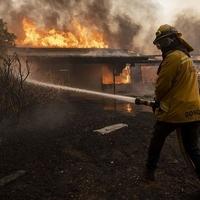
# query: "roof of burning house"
[[92, 55], [97, 55]]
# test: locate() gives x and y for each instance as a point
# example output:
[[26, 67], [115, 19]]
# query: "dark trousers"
[[190, 134]]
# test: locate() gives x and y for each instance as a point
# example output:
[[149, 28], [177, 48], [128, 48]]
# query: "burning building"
[[79, 43], [81, 58], [83, 50], [91, 68]]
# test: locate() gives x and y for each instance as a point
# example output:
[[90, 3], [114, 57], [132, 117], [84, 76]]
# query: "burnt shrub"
[[12, 79]]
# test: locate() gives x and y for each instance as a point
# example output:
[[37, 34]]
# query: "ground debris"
[[55, 142], [12, 177], [74, 153], [111, 128]]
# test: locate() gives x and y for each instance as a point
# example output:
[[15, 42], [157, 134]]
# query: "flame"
[[123, 78], [129, 107], [83, 37]]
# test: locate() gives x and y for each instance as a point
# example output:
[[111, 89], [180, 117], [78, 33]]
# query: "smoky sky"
[[119, 21], [189, 25]]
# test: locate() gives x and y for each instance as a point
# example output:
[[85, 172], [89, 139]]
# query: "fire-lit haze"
[[127, 24], [77, 24]]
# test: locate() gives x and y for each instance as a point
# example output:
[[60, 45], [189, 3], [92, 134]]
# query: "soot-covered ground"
[[64, 159]]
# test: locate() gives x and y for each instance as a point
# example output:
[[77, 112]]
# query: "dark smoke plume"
[[116, 19], [189, 26]]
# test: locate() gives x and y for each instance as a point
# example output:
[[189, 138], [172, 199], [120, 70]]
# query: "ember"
[[82, 37]]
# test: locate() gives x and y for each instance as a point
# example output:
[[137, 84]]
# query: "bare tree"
[[12, 76]]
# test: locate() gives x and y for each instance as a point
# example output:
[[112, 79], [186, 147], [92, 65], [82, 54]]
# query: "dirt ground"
[[64, 159]]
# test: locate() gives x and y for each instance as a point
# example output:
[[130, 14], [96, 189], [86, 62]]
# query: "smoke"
[[122, 22], [37, 117], [189, 25], [128, 24]]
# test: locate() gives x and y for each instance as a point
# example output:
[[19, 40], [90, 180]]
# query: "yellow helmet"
[[167, 30]]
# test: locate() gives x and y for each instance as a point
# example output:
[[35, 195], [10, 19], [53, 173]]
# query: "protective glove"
[[155, 105]]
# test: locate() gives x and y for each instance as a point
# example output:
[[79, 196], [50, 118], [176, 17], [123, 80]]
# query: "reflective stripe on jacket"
[[177, 89]]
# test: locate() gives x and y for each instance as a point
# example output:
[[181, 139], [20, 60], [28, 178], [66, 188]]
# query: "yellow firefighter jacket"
[[177, 89]]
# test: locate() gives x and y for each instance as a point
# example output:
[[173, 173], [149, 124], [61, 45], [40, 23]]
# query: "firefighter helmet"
[[167, 31]]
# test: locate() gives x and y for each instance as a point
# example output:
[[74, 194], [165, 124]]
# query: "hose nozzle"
[[139, 101]]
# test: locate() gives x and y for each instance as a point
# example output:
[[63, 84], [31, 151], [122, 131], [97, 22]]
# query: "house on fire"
[[111, 70]]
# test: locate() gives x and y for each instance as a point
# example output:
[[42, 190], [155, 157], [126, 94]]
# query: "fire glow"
[[82, 37], [123, 78]]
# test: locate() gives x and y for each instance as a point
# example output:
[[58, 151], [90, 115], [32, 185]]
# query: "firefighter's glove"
[[155, 105]]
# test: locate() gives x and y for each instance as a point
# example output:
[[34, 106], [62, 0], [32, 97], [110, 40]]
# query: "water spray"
[[137, 101], [128, 99]]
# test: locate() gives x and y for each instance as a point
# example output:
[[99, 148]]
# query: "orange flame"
[[83, 37], [123, 78]]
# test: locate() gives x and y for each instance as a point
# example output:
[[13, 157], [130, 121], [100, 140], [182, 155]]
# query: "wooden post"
[[114, 87]]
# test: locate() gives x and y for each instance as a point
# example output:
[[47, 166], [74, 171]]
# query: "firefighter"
[[177, 94]]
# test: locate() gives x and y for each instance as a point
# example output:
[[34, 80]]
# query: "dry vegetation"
[[12, 78]]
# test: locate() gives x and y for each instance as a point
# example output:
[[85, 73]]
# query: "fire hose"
[[137, 101], [186, 156]]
